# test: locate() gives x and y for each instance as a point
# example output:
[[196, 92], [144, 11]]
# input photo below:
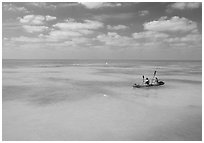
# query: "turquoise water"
[[94, 100]]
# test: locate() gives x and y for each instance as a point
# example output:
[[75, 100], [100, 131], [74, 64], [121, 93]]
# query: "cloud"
[[11, 25], [185, 5], [53, 39], [50, 18], [182, 6], [36, 19], [114, 39], [35, 23], [141, 39], [60, 31], [118, 27], [70, 20], [174, 24], [26, 39], [88, 24], [32, 19], [12, 8], [143, 12], [118, 16], [153, 39], [95, 5], [92, 5], [192, 38], [149, 35], [66, 4], [79, 40], [5, 38], [32, 29], [71, 28], [57, 35], [189, 38], [41, 5]]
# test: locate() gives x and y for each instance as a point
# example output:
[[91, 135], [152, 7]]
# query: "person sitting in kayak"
[[156, 80], [147, 81]]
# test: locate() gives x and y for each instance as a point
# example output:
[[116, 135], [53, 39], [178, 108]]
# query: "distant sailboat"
[[106, 63]]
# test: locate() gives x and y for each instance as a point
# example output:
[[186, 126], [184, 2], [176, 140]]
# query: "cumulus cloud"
[[149, 35], [71, 28], [70, 20], [78, 28], [174, 24], [12, 8], [36, 19], [192, 38], [189, 38], [80, 40], [147, 39], [142, 39], [67, 4], [114, 39], [95, 5], [5, 38], [117, 27], [185, 5], [88, 24], [32, 28], [41, 5], [92, 5], [53, 39], [26, 39], [57, 35], [35, 23], [32, 19], [118, 16], [143, 12], [50, 18]]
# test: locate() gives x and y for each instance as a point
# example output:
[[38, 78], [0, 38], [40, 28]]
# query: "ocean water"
[[66, 100]]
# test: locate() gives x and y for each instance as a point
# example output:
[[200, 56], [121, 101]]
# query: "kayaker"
[[147, 81], [156, 80]]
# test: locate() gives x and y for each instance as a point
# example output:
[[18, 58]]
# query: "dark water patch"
[[68, 91], [194, 107], [15, 92], [49, 96]]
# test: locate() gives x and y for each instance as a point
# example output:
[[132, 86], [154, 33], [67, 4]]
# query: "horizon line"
[[111, 59]]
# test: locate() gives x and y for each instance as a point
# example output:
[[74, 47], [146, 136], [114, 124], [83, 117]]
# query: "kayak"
[[150, 85]]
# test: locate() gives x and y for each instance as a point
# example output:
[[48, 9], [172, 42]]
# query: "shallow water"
[[92, 100]]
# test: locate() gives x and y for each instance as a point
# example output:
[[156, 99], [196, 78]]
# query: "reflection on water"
[[92, 100]]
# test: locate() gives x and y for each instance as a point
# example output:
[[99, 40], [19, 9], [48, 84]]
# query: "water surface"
[[94, 100]]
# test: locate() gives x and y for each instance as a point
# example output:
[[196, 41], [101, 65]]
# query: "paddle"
[[154, 76], [143, 79]]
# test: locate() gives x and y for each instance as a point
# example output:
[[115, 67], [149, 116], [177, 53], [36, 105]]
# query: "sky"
[[103, 30]]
